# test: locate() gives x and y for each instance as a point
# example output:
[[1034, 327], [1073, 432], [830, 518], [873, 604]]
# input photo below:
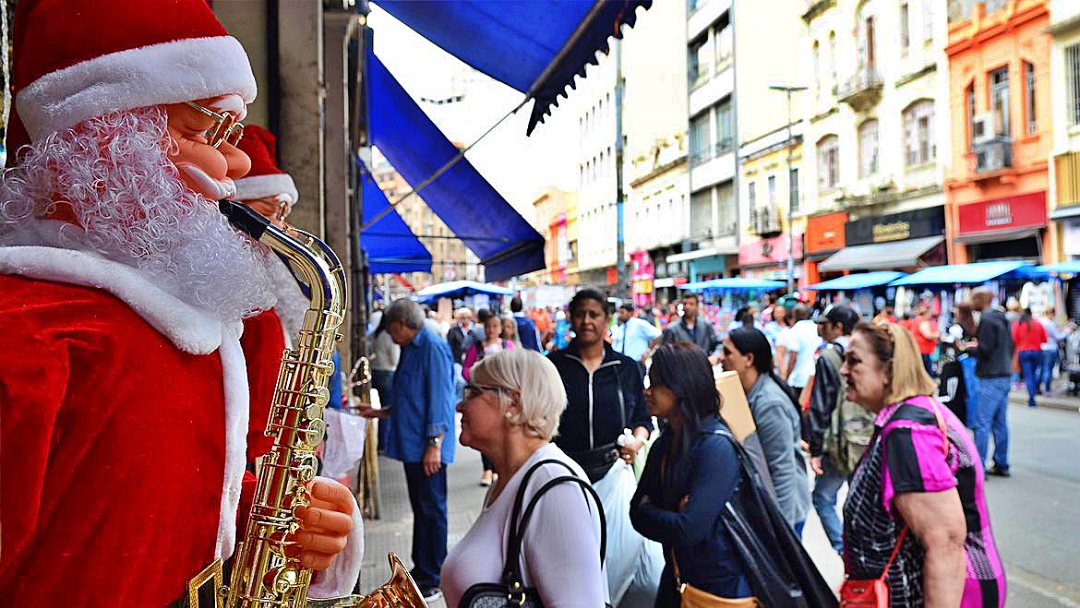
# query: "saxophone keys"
[[315, 432], [306, 465], [314, 411]]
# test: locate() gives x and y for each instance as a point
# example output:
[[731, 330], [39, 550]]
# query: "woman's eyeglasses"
[[226, 126], [472, 391]]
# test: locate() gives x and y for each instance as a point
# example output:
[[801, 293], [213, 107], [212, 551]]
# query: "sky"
[[519, 167]]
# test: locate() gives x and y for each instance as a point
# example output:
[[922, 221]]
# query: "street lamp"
[[788, 90]]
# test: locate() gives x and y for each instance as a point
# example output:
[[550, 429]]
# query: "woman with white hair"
[[510, 413]]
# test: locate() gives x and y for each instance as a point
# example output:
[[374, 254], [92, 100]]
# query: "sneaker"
[[431, 594], [997, 471]]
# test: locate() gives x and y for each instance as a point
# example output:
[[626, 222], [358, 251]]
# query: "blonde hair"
[[895, 347], [543, 397]]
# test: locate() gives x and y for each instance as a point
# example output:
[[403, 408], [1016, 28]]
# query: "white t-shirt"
[[803, 340], [560, 554]]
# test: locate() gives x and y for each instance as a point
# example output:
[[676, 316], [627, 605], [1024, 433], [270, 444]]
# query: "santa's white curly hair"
[[111, 182]]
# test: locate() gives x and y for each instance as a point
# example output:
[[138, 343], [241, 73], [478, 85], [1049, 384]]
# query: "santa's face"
[[204, 169]]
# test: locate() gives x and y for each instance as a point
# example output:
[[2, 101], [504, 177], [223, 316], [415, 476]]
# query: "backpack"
[[850, 427]]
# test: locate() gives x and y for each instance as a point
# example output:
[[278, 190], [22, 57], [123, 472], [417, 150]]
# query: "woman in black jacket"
[[691, 473], [604, 392]]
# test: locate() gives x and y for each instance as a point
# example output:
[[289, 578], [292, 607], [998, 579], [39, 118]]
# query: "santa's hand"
[[325, 525]]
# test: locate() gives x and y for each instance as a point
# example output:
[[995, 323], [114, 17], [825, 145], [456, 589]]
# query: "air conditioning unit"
[[993, 156], [982, 128]]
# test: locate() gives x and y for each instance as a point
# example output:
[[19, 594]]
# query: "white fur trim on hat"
[[262, 186], [171, 72]]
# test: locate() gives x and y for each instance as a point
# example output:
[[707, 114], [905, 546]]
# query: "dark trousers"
[[427, 495], [381, 380]]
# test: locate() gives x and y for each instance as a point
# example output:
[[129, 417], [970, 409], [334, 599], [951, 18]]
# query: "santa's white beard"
[[130, 205]]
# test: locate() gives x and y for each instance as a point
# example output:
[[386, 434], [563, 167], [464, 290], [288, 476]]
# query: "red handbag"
[[873, 592]]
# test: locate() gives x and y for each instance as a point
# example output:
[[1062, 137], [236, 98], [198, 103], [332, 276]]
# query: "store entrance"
[[1027, 248]]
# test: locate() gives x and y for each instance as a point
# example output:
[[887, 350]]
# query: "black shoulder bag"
[[511, 592]]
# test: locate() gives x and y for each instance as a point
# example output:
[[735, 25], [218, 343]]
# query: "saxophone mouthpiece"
[[244, 218]]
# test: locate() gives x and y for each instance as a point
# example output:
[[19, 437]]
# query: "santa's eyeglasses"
[[226, 127]]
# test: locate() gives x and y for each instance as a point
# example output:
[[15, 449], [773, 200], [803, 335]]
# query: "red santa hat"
[[77, 59], [265, 178]]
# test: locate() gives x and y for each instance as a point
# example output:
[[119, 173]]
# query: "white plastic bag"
[[633, 562], [344, 442]]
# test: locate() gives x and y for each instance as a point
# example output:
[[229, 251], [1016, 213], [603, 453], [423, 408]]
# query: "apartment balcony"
[[703, 13], [766, 221], [712, 167], [709, 90], [862, 90], [992, 157]]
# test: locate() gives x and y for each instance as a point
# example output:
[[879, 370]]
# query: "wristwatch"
[[434, 441]]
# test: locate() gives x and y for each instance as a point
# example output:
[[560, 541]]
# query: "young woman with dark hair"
[[776, 414], [691, 473]]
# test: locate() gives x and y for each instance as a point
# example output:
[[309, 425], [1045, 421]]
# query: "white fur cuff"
[[171, 72]]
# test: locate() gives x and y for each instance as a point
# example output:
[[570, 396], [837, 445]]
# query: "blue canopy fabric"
[[460, 289], [854, 282], [534, 46], [1072, 267], [390, 245], [952, 274], [506, 244], [734, 284]]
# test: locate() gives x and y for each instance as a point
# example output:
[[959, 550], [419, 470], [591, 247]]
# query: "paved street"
[[1035, 513]]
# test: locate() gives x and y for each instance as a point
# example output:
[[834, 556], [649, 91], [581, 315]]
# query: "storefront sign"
[[643, 286], [766, 252], [825, 232], [1007, 214], [896, 227]]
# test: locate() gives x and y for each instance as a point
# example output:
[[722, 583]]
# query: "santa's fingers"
[[316, 560], [320, 542], [332, 495], [320, 518]]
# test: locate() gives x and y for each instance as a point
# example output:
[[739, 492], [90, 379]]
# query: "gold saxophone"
[[263, 575]]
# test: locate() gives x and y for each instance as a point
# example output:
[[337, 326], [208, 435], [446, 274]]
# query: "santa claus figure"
[[123, 387]]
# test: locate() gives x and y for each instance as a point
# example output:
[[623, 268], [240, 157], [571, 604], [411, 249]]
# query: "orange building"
[[1000, 96]]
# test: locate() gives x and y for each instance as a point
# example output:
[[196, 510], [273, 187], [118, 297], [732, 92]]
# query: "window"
[[828, 159], [919, 145], [701, 213], [832, 58], [817, 69], [751, 195], [868, 148], [726, 210], [867, 39], [699, 63], [999, 100], [905, 28], [723, 47], [928, 20], [772, 192], [725, 128], [699, 138], [1029, 80], [793, 190], [969, 96], [1072, 83]]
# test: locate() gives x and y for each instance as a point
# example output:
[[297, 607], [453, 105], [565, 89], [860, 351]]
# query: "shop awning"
[[535, 46], [853, 282], [697, 254], [881, 256], [734, 284], [460, 289], [993, 236], [390, 245], [1072, 267], [979, 272], [477, 214]]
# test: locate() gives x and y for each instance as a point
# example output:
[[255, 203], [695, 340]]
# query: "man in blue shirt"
[[527, 333], [632, 336], [421, 434]]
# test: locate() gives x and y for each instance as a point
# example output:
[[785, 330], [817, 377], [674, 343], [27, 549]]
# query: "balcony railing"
[[992, 156], [708, 153], [861, 90]]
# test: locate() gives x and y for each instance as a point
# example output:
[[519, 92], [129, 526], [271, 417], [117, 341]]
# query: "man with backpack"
[[839, 430]]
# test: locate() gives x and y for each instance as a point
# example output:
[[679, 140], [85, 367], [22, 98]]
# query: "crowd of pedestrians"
[[626, 400]]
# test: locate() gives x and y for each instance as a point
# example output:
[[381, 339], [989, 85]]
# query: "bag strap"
[[945, 448]]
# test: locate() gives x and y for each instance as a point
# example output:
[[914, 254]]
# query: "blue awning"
[[390, 245], [853, 282], [460, 289], [535, 46], [734, 284], [953, 274], [1062, 268], [477, 214]]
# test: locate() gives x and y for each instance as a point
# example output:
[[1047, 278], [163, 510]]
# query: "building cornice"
[[657, 172], [816, 8], [912, 77]]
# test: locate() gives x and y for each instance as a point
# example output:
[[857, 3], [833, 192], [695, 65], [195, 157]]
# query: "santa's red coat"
[[113, 448], [263, 342]]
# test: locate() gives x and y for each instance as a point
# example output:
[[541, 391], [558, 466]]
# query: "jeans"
[[824, 497], [1050, 359], [993, 405], [381, 380], [1031, 361], [427, 495]]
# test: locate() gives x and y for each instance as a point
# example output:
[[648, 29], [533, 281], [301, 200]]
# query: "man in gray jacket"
[[694, 329]]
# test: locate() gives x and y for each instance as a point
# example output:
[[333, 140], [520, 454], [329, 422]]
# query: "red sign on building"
[[766, 252], [1006, 214]]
